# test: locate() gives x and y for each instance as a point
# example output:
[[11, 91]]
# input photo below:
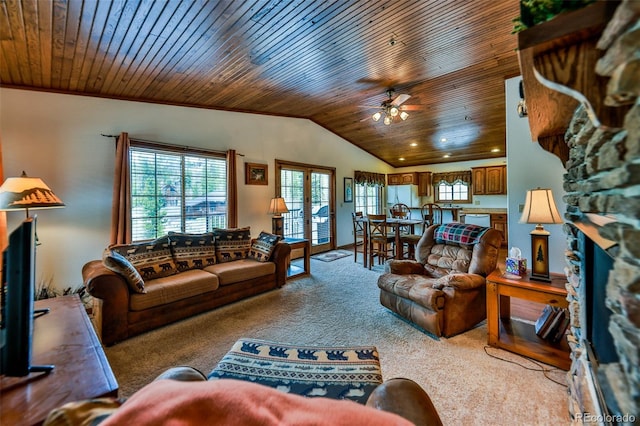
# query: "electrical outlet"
[[520, 208]]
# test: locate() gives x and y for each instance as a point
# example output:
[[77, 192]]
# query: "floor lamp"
[[540, 208], [27, 193], [276, 208]]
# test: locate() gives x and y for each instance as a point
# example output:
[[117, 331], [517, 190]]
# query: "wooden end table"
[[305, 245], [517, 336], [65, 338]]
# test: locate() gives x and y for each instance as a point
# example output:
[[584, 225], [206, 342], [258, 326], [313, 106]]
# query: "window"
[[457, 191], [367, 198], [176, 191]]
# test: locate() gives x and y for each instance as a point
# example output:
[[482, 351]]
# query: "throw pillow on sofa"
[[193, 251], [119, 264], [232, 244], [152, 259], [263, 246]]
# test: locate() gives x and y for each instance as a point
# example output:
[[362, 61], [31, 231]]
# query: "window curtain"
[[121, 207], [232, 190], [369, 178], [463, 176]]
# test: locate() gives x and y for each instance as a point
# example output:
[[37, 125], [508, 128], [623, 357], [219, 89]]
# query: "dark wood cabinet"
[[490, 180], [424, 184], [402, 178], [499, 222]]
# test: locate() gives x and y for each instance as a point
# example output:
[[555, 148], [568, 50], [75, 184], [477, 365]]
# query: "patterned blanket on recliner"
[[460, 233]]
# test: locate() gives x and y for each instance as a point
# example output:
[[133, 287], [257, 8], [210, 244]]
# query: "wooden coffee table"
[[65, 338]]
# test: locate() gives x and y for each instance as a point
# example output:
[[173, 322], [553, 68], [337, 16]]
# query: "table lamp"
[[540, 208], [276, 208]]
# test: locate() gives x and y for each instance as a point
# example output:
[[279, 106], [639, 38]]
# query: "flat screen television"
[[16, 302]]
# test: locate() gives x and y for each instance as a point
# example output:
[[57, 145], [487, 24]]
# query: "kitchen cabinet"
[[424, 184], [490, 180], [402, 178], [499, 222]]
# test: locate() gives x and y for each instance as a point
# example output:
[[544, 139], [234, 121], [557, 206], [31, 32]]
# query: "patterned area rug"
[[330, 256], [347, 372]]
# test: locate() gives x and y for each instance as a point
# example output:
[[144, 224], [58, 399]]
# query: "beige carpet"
[[338, 305]]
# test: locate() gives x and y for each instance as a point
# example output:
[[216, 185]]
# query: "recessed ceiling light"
[[443, 140], [414, 144], [495, 150], [446, 156], [401, 158]]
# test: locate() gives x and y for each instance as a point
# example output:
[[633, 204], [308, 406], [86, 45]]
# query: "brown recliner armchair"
[[443, 290]]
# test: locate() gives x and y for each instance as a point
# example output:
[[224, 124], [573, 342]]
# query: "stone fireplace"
[[602, 185], [590, 58]]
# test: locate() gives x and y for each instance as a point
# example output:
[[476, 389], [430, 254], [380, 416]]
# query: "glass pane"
[[320, 217], [292, 190]]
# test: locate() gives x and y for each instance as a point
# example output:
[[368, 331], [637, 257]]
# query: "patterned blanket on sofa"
[[459, 233]]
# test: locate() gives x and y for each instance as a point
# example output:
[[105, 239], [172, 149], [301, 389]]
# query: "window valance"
[[452, 177], [369, 178]]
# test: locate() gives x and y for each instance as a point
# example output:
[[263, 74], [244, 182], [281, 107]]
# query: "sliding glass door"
[[309, 192]]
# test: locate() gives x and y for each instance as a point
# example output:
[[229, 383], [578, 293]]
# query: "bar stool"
[[359, 236]]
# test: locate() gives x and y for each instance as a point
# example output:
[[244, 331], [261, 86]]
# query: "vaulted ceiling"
[[328, 61]]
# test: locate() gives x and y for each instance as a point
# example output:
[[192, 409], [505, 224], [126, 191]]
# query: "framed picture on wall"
[[255, 174], [348, 190]]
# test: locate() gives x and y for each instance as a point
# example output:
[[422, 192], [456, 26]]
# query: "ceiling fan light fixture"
[[376, 116], [393, 111], [404, 115], [387, 120]]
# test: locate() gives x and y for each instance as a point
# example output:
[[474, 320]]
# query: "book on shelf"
[[550, 332], [562, 329], [543, 318]]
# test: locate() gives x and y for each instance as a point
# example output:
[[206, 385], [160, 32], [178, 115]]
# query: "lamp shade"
[[24, 192], [278, 206], [540, 207]]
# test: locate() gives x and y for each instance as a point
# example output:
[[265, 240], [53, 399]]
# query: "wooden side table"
[[517, 336], [305, 245], [65, 338]]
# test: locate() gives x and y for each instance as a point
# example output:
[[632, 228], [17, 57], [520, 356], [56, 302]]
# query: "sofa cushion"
[[152, 259], [241, 270], [416, 288], [263, 246], [232, 244], [119, 264], [445, 258], [193, 251], [162, 291]]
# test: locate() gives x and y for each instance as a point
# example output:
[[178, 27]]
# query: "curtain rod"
[[174, 146]]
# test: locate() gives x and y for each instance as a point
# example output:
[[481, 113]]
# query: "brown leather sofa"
[[400, 396], [443, 291], [120, 312]]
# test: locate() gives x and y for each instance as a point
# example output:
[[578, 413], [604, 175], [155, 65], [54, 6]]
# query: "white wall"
[[57, 137], [529, 166]]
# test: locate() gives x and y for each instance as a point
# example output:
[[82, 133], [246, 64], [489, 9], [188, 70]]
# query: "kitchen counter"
[[483, 211]]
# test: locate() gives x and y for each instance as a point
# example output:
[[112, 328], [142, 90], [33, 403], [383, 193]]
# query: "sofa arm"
[[460, 281], [404, 267], [407, 399], [112, 308], [280, 257]]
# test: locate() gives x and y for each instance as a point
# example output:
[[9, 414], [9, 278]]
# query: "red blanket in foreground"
[[235, 402]]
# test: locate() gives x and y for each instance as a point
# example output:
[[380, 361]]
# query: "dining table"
[[396, 224]]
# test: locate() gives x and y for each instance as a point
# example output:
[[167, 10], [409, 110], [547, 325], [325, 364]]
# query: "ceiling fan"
[[391, 108]]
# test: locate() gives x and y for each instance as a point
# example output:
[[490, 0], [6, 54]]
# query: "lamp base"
[[540, 257], [277, 225]]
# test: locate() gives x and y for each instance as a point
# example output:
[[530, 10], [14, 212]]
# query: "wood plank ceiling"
[[328, 61]]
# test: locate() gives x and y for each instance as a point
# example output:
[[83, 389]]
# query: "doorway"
[[309, 192]]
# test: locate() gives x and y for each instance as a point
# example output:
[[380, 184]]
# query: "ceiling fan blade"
[[400, 99], [411, 107]]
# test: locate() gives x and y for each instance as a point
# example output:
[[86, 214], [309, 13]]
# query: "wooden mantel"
[[557, 61]]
